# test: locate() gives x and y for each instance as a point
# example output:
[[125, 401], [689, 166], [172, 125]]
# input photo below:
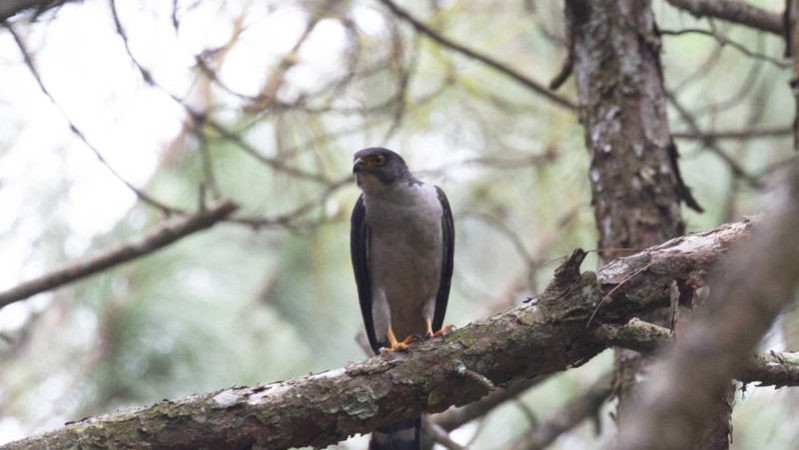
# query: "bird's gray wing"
[[359, 252], [448, 249]]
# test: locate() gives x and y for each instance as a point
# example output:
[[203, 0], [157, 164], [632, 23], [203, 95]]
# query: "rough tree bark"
[[572, 321], [636, 187]]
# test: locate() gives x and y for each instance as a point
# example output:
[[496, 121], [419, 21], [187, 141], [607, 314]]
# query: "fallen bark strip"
[[543, 336], [157, 239]]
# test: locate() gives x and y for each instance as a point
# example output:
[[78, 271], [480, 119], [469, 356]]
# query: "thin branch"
[[546, 156], [746, 87], [564, 73], [199, 118], [700, 71], [502, 228], [140, 194], [157, 239], [733, 11], [275, 163], [572, 414], [455, 418], [288, 218], [218, 54], [736, 169], [524, 80], [277, 79], [440, 435], [736, 135], [724, 41], [403, 76]]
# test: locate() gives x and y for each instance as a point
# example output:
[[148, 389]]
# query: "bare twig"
[[546, 156], [746, 87], [733, 11], [278, 77], [700, 71], [200, 118], [455, 418], [140, 194], [526, 81], [564, 73], [751, 133], [275, 163], [502, 228], [440, 435], [692, 123], [157, 239], [724, 41], [572, 414], [288, 218]]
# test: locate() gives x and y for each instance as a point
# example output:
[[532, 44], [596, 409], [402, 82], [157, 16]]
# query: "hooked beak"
[[357, 166]]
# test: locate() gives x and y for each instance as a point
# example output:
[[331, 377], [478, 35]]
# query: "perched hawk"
[[401, 243]]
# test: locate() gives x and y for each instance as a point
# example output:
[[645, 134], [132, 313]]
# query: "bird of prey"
[[401, 244]]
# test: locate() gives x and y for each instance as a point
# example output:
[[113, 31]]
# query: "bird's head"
[[377, 168]]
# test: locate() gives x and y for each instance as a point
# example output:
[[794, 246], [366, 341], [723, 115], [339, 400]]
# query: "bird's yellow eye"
[[378, 160]]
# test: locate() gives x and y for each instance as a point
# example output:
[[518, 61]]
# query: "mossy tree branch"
[[560, 329]]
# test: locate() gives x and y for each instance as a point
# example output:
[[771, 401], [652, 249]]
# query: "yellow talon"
[[442, 332], [394, 344]]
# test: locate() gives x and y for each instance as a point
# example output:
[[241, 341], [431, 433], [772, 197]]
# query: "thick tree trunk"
[[636, 187]]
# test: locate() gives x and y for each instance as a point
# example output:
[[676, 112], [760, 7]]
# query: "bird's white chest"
[[409, 220], [405, 255]]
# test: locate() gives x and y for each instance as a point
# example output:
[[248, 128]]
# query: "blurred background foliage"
[[265, 103]]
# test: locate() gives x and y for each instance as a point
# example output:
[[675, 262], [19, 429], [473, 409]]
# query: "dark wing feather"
[[359, 252], [448, 235]]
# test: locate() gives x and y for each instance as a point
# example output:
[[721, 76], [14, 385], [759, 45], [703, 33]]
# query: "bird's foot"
[[398, 345], [445, 330]]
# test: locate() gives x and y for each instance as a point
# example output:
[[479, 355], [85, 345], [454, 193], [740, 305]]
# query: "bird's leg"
[[442, 332], [394, 343]]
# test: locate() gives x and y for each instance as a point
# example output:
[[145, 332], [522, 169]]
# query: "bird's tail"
[[402, 435]]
